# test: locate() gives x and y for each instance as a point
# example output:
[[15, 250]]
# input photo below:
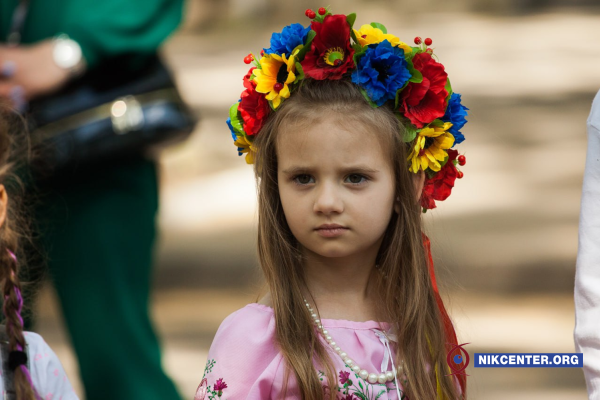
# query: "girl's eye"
[[303, 179], [356, 179]]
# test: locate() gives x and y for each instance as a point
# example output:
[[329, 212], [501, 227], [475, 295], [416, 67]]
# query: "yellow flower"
[[276, 73], [245, 146], [430, 147], [368, 34]]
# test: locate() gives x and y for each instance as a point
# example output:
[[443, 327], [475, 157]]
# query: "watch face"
[[67, 53]]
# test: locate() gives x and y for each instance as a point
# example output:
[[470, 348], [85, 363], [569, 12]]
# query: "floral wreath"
[[383, 67]]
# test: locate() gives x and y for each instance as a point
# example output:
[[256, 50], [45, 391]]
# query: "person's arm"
[[48, 375], [109, 28], [587, 277]]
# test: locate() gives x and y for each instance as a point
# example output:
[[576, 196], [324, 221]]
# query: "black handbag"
[[107, 114], [113, 111]]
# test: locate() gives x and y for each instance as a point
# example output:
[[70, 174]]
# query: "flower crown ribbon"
[[386, 70]]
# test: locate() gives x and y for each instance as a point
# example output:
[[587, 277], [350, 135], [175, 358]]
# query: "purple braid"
[[9, 325]]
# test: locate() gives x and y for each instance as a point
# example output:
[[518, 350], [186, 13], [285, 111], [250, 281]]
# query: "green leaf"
[[366, 96], [236, 121], [379, 26], [350, 19], [448, 88], [415, 75], [309, 38], [358, 54], [430, 173], [360, 384], [410, 133], [299, 72], [380, 394]]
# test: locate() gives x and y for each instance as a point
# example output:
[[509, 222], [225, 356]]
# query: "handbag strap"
[[17, 23]]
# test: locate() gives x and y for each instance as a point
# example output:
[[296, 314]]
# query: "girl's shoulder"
[[243, 360], [252, 322], [48, 375]]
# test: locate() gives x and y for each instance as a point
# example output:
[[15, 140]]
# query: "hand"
[[29, 71]]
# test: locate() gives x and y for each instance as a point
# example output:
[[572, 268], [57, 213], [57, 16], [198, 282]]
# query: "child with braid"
[[30, 370]]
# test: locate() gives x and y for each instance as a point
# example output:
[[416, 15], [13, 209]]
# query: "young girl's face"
[[336, 186]]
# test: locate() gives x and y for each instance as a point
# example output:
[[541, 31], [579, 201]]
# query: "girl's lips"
[[331, 232]]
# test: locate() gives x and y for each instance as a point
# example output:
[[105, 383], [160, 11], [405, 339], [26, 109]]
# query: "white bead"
[[382, 378], [372, 378], [332, 343], [363, 374], [389, 376], [317, 321], [328, 337], [320, 326], [337, 349], [313, 315], [349, 362], [356, 369], [325, 332], [343, 355]]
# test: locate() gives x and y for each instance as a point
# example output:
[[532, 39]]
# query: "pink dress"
[[244, 362]]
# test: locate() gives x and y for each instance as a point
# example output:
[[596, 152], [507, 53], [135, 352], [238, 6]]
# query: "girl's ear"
[[3, 204], [419, 182]]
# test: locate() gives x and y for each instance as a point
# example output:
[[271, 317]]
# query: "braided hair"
[[12, 234]]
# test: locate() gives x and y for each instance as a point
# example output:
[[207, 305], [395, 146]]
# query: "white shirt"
[[587, 277], [47, 373]]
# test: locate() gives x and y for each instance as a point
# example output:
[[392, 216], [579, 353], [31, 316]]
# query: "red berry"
[[417, 40], [459, 174], [322, 11], [307, 12], [312, 14], [462, 160], [277, 87], [337, 63], [247, 60], [262, 53], [429, 50], [428, 42]]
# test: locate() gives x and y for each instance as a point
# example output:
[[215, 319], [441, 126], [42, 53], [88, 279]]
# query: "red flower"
[[440, 186], [330, 54], [423, 102], [253, 107], [219, 385], [344, 376]]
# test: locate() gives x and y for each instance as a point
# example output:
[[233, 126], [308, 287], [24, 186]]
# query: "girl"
[[30, 369], [350, 132]]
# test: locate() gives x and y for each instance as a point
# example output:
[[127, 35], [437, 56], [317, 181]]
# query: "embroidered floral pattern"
[[358, 389], [204, 391]]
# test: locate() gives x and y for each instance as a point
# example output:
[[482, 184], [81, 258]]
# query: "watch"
[[67, 54]]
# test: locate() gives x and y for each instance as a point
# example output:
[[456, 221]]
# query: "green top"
[[103, 28]]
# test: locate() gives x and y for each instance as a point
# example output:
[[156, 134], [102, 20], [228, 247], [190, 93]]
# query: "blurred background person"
[[96, 224], [587, 279]]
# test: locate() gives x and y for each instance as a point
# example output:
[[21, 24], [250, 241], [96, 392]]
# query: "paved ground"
[[504, 243]]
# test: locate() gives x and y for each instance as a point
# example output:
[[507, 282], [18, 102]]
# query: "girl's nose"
[[328, 199]]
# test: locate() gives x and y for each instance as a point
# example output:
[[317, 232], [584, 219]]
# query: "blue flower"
[[381, 71], [233, 135], [290, 37], [456, 114]]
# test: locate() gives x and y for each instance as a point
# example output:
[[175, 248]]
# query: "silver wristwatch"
[[67, 55]]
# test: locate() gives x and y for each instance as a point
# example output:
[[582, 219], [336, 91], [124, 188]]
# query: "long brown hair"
[[404, 285], [13, 233]]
